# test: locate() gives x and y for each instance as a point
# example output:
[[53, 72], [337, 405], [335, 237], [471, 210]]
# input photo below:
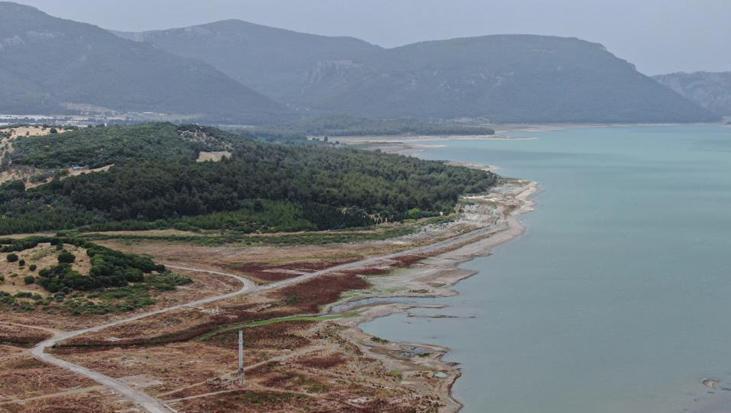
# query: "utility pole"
[[241, 357]]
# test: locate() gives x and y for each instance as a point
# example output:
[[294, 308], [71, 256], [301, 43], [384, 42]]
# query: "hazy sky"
[[657, 35]]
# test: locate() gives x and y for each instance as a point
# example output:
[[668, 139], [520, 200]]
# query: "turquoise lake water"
[[618, 297]]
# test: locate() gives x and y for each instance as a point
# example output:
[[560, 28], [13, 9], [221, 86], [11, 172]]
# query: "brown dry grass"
[[325, 362], [234, 256], [296, 366], [43, 256], [23, 173], [23, 377], [30, 131], [77, 403], [281, 336], [310, 295], [258, 401], [21, 335], [270, 273]]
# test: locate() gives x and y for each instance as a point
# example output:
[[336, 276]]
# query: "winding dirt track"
[[143, 400], [153, 405]]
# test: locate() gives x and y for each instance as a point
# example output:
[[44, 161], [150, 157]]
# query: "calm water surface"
[[618, 298]]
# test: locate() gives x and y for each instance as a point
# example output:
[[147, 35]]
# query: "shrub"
[[33, 267], [21, 263], [29, 280], [66, 257], [12, 257]]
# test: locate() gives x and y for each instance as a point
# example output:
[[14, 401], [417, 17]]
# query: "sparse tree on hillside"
[[66, 257]]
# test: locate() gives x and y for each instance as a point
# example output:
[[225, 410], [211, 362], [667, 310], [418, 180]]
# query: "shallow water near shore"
[[617, 297]]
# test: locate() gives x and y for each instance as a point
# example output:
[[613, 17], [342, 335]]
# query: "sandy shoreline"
[[413, 144], [435, 276]]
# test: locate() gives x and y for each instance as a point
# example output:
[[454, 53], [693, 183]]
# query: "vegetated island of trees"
[[116, 281], [156, 182], [343, 125]]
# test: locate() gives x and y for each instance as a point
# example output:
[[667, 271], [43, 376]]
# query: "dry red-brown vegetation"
[[22, 376], [324, 362], [271, 273], [286, 335], [21, 336], [407, 260], [293, 366], [310, 295], [256, 401], [77, 403]]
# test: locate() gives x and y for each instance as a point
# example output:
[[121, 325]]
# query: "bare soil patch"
[[213, 156]]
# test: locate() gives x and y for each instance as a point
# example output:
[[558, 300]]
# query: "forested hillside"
[[96, 147], [712, 90], [156, 182], [502, 78], [273, 61], [237, 73], [51, 65]]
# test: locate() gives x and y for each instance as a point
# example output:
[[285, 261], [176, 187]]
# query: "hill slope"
[[275, 62], [508, 78], [710, 90], [155, 181], [512, 78], [47, 64]]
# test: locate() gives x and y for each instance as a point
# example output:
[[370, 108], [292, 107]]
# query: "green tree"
[[66, 257]]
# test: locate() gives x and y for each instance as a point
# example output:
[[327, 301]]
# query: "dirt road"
[[153, 405], [140, 398]]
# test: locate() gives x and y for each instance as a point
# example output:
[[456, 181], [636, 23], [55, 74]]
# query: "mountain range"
[[275, 62], [233, 71], [51, 65], [708, 89]]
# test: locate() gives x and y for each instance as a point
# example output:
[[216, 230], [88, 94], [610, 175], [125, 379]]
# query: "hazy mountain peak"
[[9, 6], [201, 71], [52, 65], [276, 62]]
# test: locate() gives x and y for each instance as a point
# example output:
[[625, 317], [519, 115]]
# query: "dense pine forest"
[[157, 182]]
